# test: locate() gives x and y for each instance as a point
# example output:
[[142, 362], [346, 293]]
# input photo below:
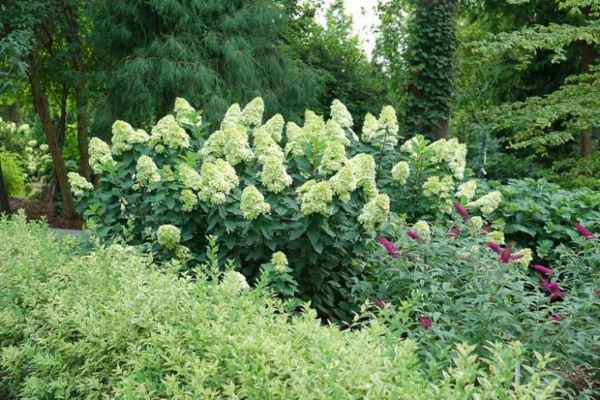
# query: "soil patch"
[[37, 210]]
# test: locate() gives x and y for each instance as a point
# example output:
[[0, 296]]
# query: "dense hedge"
[[107, 325]]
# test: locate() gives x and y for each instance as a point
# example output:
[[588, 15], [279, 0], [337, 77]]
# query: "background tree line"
[[515, 79]]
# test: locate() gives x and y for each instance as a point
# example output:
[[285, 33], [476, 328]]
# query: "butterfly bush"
[[257, 183]]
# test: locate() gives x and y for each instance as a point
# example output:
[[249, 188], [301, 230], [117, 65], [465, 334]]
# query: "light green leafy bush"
[[104, 325], [14, 176], [263, 187]]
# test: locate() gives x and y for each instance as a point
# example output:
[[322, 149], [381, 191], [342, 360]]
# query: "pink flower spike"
[[495, 247], [556, 318], [389, 247], [413, 235], [542, 269], [583, 231], [461, 210], [425, 322], [506, 255]]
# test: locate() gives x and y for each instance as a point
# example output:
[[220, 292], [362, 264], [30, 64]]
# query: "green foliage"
[[335, 52], [460, 287], [573, 174], [541, 215], [105, 324], [430, 54], [13, 173], [210, 52]]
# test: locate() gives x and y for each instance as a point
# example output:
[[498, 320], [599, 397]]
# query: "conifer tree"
[[211, 52]]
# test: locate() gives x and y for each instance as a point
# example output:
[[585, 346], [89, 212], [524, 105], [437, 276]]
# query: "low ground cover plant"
[[108, 324]]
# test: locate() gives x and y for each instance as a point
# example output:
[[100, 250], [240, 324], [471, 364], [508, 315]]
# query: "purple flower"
[[556, 318], [542, 269], [583, 231], [461, 210], [553, 289], [495, 247], [425, 322], [389, 247], [413, 235]]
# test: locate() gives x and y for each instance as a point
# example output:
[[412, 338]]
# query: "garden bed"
[[37, 210]]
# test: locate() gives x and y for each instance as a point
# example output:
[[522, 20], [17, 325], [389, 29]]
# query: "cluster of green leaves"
[[13, 173], [461, 286], [106, 323], [541, 215], [573, 174]]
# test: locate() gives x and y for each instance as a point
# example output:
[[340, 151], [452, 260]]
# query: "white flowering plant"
[[259, 186]]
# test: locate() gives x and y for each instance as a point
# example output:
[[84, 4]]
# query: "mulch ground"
[[37, 210]]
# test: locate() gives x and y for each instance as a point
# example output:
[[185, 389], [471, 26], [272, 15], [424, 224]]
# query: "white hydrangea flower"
[[233, 117], [279, 261], [185, 114], [274, 175], [100, 155], [315, 197], [496, 236], [422, 229], [401, 172], [333, 158], [168, 236], [147, 171], [253, 203], [32, 143], [364, 168], [375, 213], [389, 121], [335, 132], [436, 187], [275, 127], [476, 222], [236, 146], [44, 147], [124, 137], [526, 257], [265, 145], [189, 200], [488, 203], [370, 128], [168, 133], [234, 282], [79, 185], [189, 177], [252, 116], [343, 182], [411, 145], [467, 190], [453, 153], [341, 115], [218, 179], [23, 129], [214, 147]]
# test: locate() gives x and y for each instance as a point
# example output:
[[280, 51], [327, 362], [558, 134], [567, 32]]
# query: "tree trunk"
[[587, 59], [74, 35], [40, 102], [4, 205]]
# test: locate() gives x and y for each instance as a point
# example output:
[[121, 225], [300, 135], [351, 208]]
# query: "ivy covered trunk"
[[430, 56], [4, 205], [587, 59]]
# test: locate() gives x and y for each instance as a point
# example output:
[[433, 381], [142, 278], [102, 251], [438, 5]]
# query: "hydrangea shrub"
[[261, 187]]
